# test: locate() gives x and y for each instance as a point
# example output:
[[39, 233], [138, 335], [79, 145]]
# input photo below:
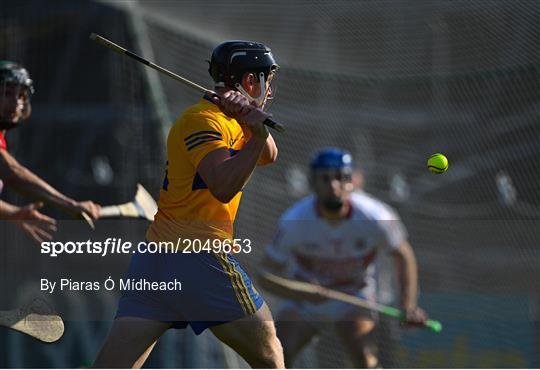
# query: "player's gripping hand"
[[234, 104], [90, 208], [415, 316], [34, 223], [253, 120]]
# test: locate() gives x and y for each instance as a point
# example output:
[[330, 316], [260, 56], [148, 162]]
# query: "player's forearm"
[[7, 210], [407, 276], [234, 172], [27, 183], [269, 153], [409, 288]]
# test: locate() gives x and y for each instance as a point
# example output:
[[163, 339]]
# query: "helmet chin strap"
[[333, 205], [261, 99]]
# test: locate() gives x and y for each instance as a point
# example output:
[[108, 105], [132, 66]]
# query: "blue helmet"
[[331, 158]]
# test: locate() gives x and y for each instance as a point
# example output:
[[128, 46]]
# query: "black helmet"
[[231, 59], [15, 73]]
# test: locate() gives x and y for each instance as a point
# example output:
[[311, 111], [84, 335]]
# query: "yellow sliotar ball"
[[437, 163]]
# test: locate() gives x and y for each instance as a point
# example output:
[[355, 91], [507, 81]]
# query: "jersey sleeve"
[[203, 135], [279, 251], [394, 232], [3, 143]]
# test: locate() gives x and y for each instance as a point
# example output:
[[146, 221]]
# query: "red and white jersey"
[[3, 146], [3, 143], [339, 255]]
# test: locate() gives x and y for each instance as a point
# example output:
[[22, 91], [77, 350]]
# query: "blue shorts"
[[215, 290]]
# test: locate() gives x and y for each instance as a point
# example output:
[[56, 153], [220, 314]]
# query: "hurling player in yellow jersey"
[[212, 150]]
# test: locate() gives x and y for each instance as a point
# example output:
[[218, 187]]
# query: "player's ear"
[[27, 111], [358, 179], [248, 81]]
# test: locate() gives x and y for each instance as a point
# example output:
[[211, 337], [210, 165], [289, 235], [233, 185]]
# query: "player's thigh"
[[129, 342], [293, 330], [354, 327], [254, 338], [356, 334]]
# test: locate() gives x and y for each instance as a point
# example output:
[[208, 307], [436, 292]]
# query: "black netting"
[[391, 81]]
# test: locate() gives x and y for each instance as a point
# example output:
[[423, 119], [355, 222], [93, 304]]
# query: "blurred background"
[[391, 81]]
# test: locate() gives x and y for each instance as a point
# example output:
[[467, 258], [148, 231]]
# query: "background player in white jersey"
[[331, 239]]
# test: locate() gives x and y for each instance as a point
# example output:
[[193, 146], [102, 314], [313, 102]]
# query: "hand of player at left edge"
[[91, 208], [35, 224]]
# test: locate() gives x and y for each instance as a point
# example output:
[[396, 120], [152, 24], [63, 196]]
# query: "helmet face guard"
[[232, 59], [266, 88], [14, 75]]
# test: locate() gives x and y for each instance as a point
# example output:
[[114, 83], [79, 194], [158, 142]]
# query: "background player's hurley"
[[120, 50], [311, 289], [37, 320], [143, 206]]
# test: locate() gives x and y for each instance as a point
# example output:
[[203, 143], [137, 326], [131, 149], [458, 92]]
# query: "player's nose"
[[336, 186]]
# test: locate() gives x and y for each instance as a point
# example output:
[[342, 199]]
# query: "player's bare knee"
[[271, 350], [273, 362], [277, 349], [279, 358], [272, 355], [357, 329]]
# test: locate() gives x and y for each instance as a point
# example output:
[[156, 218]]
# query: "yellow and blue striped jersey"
[[186, 208]]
